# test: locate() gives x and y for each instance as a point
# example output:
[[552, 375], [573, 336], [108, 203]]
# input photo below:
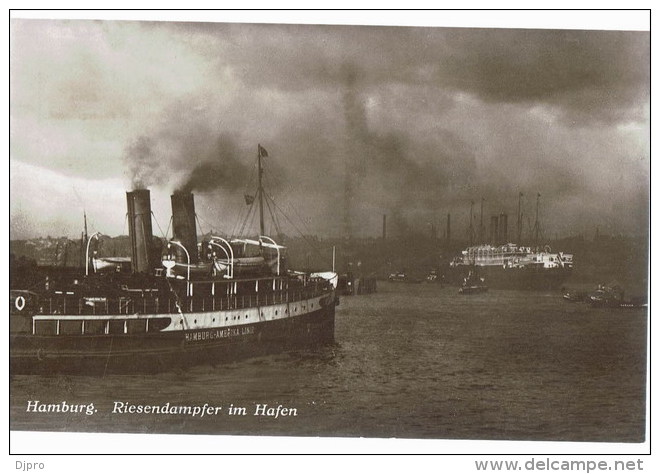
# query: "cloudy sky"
[[358, 121]]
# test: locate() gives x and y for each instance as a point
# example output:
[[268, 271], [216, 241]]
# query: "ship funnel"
[[183, 223], [138, 204]]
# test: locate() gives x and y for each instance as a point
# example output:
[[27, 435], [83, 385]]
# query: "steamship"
[[510, 266], [187, 303], [505, 265]]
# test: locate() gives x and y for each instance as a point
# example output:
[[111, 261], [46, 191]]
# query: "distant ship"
[[514, 267], [508, 265], [223, 300]]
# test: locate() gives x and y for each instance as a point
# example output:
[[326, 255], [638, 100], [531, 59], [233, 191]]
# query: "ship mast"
[[536, 223], [471, 230], [519, 224], [261, 151], [481, 222]]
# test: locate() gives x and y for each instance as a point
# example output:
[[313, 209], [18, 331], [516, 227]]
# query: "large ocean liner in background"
[[515, 267], [187, 303], [512, 266]]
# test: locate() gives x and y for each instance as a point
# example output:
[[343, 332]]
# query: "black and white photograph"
[[248, 227]]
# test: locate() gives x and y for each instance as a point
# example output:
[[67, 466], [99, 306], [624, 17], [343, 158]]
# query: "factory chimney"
[[183, 224], [448, 227], [384, 226], [504, 234], [494, 230], [138, 204]]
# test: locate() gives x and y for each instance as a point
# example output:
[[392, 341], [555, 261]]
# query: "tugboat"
[[190, 307], [612, 296], [605, 296]]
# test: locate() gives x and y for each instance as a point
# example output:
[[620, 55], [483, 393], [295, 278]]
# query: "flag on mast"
[[262, 151]]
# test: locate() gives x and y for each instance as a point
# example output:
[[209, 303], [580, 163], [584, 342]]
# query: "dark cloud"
[[222, 170], [358, 121], [593, 76], [587, 76]]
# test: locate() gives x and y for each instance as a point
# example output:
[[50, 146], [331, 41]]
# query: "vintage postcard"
[[243, 226]]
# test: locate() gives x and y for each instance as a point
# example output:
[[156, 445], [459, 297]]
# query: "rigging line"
[[247, 216], [309, 231], [278, 225], [284, 191], [158, 225], [245, 220], [272, 216], [199, 224], [210, 226], [311, 244], [169, 224], [249, 221], [240, 218]]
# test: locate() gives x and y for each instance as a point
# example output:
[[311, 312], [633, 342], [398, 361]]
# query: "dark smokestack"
[[494, 230], [448, 227], [384, 226], [138, 204], [183, 223], [504, 234]]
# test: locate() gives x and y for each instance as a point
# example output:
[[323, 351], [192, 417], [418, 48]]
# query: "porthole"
[[195, 321]]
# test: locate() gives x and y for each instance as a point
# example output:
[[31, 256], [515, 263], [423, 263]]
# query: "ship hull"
[[525, 278], [168, 350]]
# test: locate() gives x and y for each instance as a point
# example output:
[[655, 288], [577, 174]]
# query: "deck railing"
[[171, 305]]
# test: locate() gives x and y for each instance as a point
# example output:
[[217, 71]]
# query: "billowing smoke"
[[358, 121], [142, 160], [352, 138], [209, 176], [187, 154], [221, 168]]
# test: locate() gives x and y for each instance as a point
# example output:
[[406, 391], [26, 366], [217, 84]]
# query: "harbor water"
[[410, 361]]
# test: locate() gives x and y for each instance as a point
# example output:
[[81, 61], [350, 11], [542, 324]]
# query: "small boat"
[[402, 277], [472, 285], [433, 277], [117, 264], [472, 289], [613, 297], [575, 296], [246, 262]]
